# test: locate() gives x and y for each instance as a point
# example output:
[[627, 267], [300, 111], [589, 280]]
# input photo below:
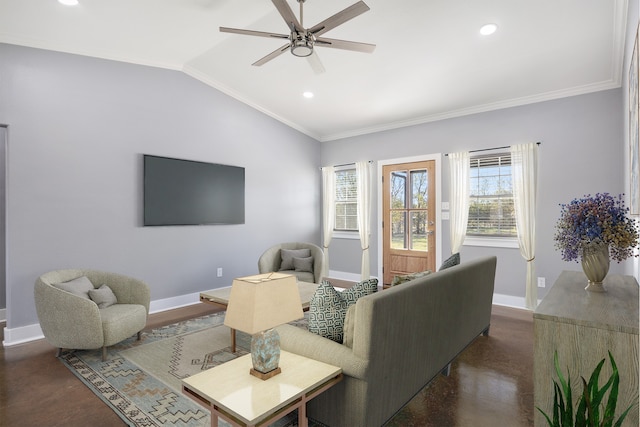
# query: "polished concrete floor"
[[491, 382]]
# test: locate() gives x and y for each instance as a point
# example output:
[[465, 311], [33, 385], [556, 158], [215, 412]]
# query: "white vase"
[[595, 264]]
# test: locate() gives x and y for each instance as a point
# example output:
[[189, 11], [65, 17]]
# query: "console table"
[[582, 326]]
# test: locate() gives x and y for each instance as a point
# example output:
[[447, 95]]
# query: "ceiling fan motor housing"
[[301, 44]]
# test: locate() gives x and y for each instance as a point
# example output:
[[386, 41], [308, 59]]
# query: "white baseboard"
[[173, 302], [21, 335], [509, 301]]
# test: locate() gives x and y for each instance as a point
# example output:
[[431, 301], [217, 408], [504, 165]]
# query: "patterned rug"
[[141, 380]]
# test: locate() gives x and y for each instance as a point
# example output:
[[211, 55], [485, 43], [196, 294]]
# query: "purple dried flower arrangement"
[[597, 220]]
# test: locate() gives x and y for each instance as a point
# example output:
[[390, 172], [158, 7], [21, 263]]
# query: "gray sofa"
[[402, 338]]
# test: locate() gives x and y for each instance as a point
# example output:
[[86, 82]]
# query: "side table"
[[244, 400]]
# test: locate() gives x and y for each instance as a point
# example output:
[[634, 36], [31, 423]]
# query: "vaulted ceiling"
[[430, 61]]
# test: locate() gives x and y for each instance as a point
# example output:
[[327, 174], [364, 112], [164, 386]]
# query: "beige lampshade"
[[263, 301]]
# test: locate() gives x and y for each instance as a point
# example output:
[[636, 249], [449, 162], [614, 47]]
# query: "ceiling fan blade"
[[288, 15], [316, 64], [253, 33], [272, 55], [339, 18], [346, 45]]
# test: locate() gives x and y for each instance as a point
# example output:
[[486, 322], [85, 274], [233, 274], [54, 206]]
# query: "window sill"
[[352, 235], [491, 242]]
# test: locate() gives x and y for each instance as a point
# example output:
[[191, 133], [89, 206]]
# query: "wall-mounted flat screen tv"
[[185, 192]]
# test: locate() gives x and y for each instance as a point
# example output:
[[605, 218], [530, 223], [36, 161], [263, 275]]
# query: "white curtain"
[[524, 172], [363, 175], [328, 216], [458, 198]]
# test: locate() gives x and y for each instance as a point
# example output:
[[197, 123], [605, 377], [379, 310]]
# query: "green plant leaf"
[[565, 400], [610, 409], [595, 395]]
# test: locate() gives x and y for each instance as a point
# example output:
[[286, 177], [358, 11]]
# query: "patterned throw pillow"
[[361, 289], [397, 280], [328, 307], [451, 261]]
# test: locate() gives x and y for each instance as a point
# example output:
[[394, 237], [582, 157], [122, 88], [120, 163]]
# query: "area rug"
[[141, 380]]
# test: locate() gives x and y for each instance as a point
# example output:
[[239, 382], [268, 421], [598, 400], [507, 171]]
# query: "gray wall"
[[78, 128], [582, 152]]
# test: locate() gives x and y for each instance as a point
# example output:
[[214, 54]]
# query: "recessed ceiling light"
[[488, 29], [68, 2], [308, 95]]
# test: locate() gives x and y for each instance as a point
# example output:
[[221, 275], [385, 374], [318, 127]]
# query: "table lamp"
[[257, 304]]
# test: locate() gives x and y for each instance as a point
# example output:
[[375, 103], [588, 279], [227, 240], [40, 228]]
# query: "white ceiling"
[[430, 61]]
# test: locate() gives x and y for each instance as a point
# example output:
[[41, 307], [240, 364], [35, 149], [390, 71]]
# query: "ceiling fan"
[[303, 40]]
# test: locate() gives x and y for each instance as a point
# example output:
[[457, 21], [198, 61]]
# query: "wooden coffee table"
[[220, 298], [244, 400]]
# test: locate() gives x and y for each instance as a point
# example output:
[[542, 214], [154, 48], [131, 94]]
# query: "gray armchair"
[[73, 321], [272, 258]]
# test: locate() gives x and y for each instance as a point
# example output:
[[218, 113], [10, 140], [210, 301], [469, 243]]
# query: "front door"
[[409, 218]]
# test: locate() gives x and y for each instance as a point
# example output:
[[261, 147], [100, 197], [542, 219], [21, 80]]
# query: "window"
[[491, 211], [346, 200]]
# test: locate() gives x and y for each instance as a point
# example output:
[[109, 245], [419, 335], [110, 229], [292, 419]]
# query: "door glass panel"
[[398, 189], [419, 186], [419, 231], [398, 227]]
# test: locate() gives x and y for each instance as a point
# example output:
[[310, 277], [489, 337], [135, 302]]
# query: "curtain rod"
[[494, 148], [345, 164]]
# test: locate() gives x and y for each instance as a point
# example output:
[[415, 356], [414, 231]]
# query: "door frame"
[[438, 188]]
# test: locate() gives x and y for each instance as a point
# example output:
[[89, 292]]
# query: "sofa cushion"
[[451, 261], [103, 296], [328, 307], [79, 286], [287, 255], [397, 280], [303, 264]]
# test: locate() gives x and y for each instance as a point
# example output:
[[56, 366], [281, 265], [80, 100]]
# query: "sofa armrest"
[[299, 341]]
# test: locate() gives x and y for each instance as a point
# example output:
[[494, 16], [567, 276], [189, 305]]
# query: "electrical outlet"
[[219, 271], [541, 282]]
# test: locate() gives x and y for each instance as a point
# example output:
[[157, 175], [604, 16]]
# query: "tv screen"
[[185, 192]]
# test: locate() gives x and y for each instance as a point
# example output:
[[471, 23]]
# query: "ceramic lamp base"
[[265, 354]]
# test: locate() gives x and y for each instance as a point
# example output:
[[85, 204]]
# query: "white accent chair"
[[69, 321], [271, 260]]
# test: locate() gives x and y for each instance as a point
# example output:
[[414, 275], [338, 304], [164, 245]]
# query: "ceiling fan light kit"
[[302, 40]]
